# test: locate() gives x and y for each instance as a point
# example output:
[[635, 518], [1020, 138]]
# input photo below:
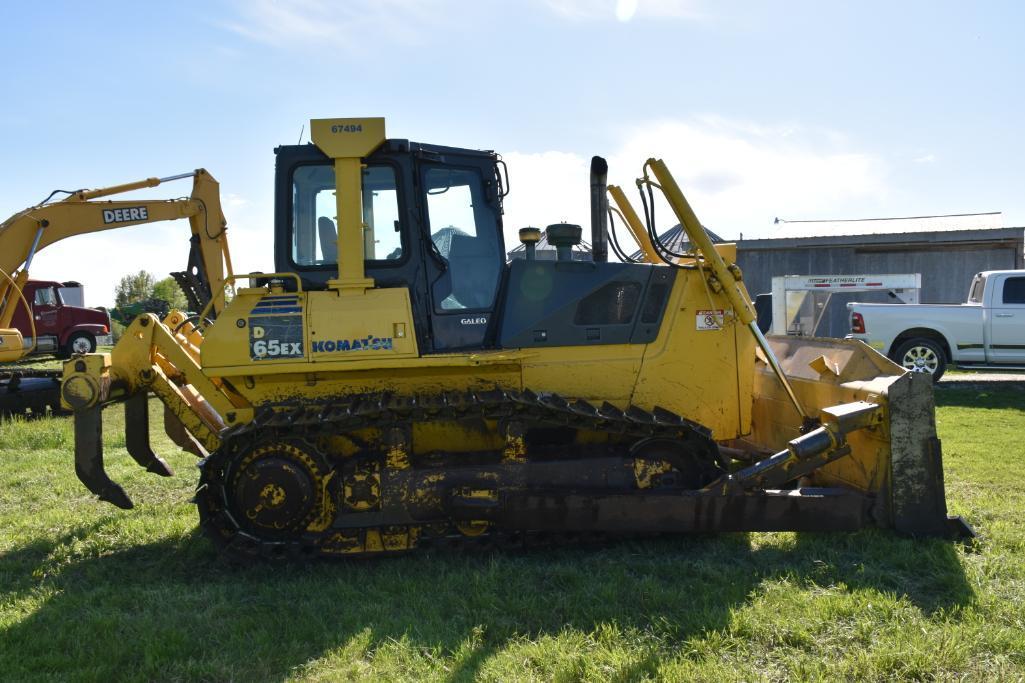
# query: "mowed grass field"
[[89, 592]]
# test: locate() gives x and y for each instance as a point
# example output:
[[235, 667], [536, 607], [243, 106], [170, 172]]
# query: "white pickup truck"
[[986, 331]]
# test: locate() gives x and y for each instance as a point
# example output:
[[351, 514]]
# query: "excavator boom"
[[25, 234]]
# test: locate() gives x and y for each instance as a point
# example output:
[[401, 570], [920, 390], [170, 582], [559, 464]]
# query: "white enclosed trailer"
[[800, 301]]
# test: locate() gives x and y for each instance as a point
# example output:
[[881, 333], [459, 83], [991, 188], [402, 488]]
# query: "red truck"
[[61, 328]]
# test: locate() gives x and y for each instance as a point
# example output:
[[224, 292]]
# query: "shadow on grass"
[[173, 610], [982, 395]]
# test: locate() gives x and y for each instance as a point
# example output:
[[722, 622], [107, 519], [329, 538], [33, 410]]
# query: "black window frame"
[[404, 233], [424, 169]]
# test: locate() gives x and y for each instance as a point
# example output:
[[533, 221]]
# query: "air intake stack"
[[529, 237], [564, 236]]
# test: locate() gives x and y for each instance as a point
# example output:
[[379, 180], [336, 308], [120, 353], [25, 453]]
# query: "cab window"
[[464, 233], [46, 297], [1014, 290], [978, 287], [315, 220]]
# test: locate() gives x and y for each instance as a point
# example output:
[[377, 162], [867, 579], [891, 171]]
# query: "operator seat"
[[328, 239]]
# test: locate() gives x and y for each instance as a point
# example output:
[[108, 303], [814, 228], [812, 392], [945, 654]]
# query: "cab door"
[[306, 234], [465, 251], [45, 307], [1007, 321]]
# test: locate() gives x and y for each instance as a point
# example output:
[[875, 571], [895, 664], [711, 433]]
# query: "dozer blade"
[[89, 458], [894, 458], [137, 435], [917, 492]]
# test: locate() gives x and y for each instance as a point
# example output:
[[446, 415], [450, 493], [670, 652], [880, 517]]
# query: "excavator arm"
[[23, 235]]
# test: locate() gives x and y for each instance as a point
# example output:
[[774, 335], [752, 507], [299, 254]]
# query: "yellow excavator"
[[81, 212], [396, 383]]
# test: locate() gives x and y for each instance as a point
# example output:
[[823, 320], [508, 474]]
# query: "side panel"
[[580, 303], [92, 328], [377, 323], [963, 327], [272, 333], [259, 331], [701, 364], [960, 325], [401, 377], [595, 374]]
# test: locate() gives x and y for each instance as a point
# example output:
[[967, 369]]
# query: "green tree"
[[169, 291], [133, 289]]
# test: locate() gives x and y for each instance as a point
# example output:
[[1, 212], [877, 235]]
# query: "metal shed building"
[[946, 250]]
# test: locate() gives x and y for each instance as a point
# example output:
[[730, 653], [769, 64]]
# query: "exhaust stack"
[[599, 210]]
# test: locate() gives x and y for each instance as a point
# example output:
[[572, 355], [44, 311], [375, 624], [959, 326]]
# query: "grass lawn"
[[88, 592]]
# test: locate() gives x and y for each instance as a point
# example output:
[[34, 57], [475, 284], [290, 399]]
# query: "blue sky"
[[800, 110]]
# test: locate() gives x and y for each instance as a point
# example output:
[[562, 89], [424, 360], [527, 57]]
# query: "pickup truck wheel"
[[79, 342], [922, 355]]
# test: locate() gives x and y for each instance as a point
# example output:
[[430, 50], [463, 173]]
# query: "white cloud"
[[624, 10], [925, 159], [737, 176], [233, 201], [356, 24], [351, 24], [539, 184]]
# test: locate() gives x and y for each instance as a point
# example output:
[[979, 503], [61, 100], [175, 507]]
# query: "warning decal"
[[710, 320]]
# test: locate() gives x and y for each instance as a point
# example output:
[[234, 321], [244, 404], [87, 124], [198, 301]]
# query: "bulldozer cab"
[[431, 222]]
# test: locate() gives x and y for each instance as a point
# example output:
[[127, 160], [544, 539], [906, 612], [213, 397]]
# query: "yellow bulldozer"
[[396, 383]]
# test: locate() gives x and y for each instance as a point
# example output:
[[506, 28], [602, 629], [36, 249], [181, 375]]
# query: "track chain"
[[339, 416]]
